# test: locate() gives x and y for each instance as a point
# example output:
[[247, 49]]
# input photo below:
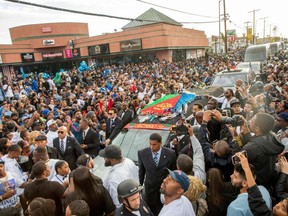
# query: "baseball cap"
[[283, 115], [180, 177], [111, 151], [50, 122], [41, 137]]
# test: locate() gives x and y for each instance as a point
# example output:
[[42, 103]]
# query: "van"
[[276, 47], [255, 66], [259, 53]]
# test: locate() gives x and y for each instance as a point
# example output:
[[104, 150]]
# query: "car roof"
[[231, 71]]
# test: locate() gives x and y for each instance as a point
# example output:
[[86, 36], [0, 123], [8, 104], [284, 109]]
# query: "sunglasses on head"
[[60, 132]]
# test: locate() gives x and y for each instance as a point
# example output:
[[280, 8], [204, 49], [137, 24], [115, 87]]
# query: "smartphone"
[[236, 160]]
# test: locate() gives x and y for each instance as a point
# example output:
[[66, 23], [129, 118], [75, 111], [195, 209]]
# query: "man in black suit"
[[90, 138], [125, 114], [68, 147], [152, 161], [113, 125]]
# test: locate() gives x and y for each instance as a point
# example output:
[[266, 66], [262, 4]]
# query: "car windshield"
[[228, 79], [135, 139], [255, 67]]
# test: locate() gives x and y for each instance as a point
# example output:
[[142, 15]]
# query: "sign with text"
[[48, 42], [27, 57], [46, 29], [130, 45], [68, 53], [52, 56], [100, 49]]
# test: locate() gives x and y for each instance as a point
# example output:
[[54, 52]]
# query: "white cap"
[[50, 122]]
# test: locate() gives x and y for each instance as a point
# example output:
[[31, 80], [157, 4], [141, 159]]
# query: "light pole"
[[264, 18], [219, 37], [254, 30], [225, 29]]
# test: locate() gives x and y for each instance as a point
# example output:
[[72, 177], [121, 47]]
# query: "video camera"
[[235, 120]]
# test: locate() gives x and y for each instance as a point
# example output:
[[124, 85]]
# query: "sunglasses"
[[110, 113], [60, 132]]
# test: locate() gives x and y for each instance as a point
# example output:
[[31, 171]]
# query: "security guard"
[[129, 194]]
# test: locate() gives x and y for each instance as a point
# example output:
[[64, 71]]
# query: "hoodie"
[[262, 153]]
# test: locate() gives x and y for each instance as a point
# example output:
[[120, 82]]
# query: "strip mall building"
[[53, 46]]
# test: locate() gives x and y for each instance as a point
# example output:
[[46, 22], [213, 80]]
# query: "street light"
[[219, 38]]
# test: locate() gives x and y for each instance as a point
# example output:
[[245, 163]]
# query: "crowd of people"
[[226, 158]]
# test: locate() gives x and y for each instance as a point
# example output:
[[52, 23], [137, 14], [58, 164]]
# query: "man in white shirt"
[[122, 169], [11, 163], [52, 133], [173, 188]]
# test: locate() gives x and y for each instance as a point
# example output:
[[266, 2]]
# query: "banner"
[[131, 45], [76, 52], [249, 34], [52, 56], [27, 57], [68, 53], [100, 49]]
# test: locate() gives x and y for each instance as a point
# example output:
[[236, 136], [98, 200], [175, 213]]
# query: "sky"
[[200, 15]]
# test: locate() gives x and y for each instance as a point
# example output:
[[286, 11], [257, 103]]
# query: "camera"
[[235, 120], [226, 112], [236, 160], [180, 130]]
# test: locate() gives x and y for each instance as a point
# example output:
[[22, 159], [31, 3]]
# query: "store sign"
[[48, 42], [130, 45], [52, 56], [68, 53], [101, 49], [27, 57], [76, 52], [46, 29]]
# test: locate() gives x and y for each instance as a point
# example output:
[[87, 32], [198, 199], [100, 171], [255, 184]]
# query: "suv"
[[227, 78]]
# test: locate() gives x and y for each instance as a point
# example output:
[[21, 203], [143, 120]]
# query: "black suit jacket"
[[127, 117], [154, 174], [115, 128], [92, 140], [72, 152]]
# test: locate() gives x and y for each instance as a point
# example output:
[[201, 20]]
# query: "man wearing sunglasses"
[[114, 125], [68, 147]]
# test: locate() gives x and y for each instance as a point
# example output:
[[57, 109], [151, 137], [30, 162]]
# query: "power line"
[[237, 25], [175, 10], [95, 14]]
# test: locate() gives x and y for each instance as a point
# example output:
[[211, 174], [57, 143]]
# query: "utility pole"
[[247, 32], [263, 41], [254, 30], [219, 39], [225, 29]]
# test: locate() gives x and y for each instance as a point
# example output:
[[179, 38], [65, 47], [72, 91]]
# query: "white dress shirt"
[[118, 173]]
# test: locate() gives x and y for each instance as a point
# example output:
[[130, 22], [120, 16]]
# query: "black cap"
[[111, 151], [41, 137]]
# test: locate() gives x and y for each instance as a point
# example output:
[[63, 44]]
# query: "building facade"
[[55, 46]]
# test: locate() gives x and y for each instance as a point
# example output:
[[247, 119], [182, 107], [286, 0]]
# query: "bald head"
[[62, 132], [199, 117], [222, 148]]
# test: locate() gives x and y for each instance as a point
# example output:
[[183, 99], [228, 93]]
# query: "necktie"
[[62, 147], [111, 123], [155, 158], [84, 134]]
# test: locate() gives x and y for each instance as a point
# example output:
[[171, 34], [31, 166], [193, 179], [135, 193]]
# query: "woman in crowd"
[[87, 189]]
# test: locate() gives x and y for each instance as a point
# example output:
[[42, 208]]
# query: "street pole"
[[254, 30], [219, 39], [225, 29], [264, 30]]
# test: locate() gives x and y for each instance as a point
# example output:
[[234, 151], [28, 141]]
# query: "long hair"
[[215, 186], [87, 189]]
